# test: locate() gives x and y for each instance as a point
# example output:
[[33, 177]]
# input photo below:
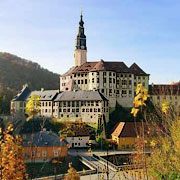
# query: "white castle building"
[[114, 80]]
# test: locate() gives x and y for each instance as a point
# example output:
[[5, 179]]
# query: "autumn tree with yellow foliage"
[[33, 106], [72, 174], [12, 165], [163, 136]]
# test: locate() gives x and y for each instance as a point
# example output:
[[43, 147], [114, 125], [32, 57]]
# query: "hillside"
[[15, 72]]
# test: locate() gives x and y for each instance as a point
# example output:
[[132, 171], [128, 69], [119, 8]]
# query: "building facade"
[[88, 106], [166, 92]]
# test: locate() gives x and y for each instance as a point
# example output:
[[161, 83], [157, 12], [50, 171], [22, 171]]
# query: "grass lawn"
[[46, 169]]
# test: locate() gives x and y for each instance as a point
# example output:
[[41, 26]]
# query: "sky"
[[143, 31]]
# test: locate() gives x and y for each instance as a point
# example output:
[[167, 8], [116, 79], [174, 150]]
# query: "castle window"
[[124, 82], [77, 104], [97, 103], [61, 115], [83, 110], [121, 75], [87, 110], [104, 73], [82, 82], [49, 103], [90, 109], [102, 90], [139, 77], [78, 81], [113, 80], [92, 103], [130, 75], [85, 81], [77, 110], [99, 110], [92, 80], [124, 93], [64, 110], [68, 110], [82, 75], [114, 74], [46, 103], [59, 110], [110, 90], [69, 103], [78, 75], [74, 75], [97, 80], [95, 110], [46, 110], [135, 84], [117, 91], [64, 103], [109, 73], [110, 80], [129, 82], [97, 73], [72, 103], [130, 93]]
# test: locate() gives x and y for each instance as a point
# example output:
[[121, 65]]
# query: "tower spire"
[[80, 53]]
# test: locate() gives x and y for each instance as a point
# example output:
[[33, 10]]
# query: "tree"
[[72, 174], [163, 124], [33, 106], [12, 163], [164, 162]]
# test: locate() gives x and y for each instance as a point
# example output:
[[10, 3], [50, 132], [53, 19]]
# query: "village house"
[[44, 146], [126, 134], [80, 136]]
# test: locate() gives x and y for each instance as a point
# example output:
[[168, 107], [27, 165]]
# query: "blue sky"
[[143, 31]]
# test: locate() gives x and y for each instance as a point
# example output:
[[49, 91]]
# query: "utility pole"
[[107, 171]]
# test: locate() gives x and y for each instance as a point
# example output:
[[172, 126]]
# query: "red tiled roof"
[[111, 66], [70, 71], [165, 89], [106, 66], [80, 129], [135, 69], [127, 129], [86, 67]]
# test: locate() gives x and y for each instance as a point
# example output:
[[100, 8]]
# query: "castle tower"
[[80, 52]]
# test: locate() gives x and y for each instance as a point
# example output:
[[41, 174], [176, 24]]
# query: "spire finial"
[[81, 23]]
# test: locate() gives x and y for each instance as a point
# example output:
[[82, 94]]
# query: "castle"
[[89, 91], [114, 80]]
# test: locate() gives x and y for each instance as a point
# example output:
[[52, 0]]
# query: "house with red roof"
[[126, 134]]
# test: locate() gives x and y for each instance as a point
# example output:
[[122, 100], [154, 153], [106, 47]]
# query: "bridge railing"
[[118, 168], [61, 176]]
